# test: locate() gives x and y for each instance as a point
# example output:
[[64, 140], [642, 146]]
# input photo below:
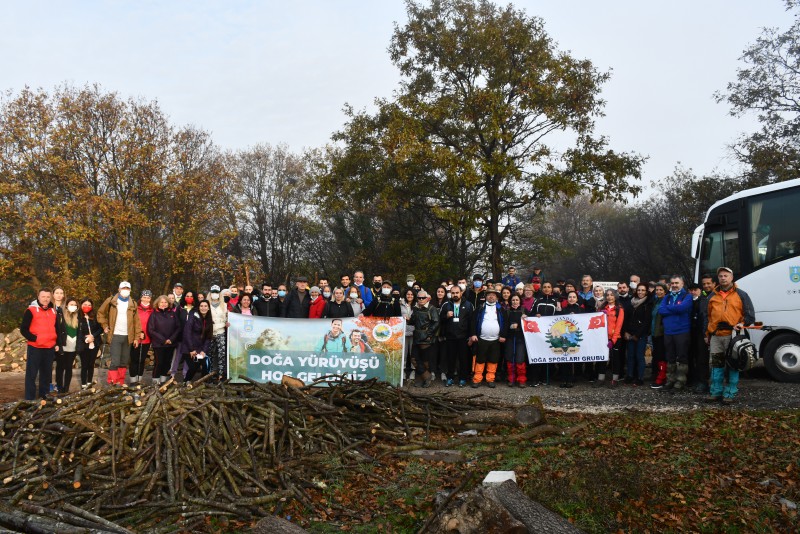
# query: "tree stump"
[[273, 524]]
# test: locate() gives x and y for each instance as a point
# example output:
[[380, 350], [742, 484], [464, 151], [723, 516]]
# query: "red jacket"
[[317, 308], [144, 317], [39, 327]]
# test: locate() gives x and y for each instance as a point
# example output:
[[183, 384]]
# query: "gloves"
[[610, 344]]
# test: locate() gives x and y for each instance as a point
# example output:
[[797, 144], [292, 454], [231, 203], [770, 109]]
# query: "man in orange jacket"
[[729, 309]]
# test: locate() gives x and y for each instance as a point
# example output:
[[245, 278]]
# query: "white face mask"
[[125, 293], [463, 287], [353, 296], [327, 294], [72, 309], [410, 283], [633, 286], [386, 291], [214, 296]]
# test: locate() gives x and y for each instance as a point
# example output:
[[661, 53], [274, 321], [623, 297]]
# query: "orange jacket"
[[732, 307], [614, 321]]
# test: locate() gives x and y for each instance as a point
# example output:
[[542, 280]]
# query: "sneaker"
[[712, 398], [449, 382], [656, 385], [613, 384], [569, 385], [427, 383], [629, 380], [700, 388], [727, 401], [669, 386], [490, 384], [475, 385], [511, 384], [564, 384], [638, 382], [462, 383]]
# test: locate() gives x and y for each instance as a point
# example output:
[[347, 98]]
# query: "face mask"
[[234, 295], [189, 300], [633, 286], [214, 296], [86, 308], [72, 309], [144, 305], [410, 283], [326, 294], [463, 287], [353, 296], [227, 298], [377, 285], [314, 298], [478, 284], [447, 295], [125, 293], [281, 293], [386, 291]]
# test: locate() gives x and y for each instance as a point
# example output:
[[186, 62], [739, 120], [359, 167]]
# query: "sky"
[[281, 72]]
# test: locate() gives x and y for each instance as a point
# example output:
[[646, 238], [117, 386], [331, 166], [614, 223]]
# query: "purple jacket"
[[193, 334], [164, 325]]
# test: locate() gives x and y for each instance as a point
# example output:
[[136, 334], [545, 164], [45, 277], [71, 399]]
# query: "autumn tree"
[[95, 188], [768, 85], [489, 117]]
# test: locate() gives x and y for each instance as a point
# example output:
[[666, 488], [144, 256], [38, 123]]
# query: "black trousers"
[[163, 361], [88, 357], [39, 363], [459, 359], [64, 362], [138, 359]]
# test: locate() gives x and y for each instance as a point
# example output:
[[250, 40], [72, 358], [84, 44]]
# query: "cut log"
[[476, 513], [533, 515], [447, 456], [277, 525], [527, 415]]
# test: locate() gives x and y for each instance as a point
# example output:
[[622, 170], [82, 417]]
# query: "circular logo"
[[382, 332]]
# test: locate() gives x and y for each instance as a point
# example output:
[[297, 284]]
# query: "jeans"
[[635, 357], [38, 363]]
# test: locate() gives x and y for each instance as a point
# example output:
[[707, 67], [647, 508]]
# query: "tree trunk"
[[533, 515], [276, 525]]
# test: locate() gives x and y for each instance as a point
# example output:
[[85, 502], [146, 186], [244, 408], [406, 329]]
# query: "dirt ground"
[[756, 392]]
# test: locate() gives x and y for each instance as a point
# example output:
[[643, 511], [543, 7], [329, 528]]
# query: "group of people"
[[464, 334]]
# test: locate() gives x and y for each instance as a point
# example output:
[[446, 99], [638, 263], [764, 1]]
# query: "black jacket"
[[267, 307], [383, 308], [84, 329], [572, 308], [546, 306], [476, 299], [164, 325], [294, 307], [334, 310], [515, 318], [461, 329], [426, 324], [638, 320]]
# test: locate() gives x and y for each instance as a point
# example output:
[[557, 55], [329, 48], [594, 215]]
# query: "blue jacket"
[[366, 294], [676, 311], [511, 281]]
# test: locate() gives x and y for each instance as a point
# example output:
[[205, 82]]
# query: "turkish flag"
[[597, 322], [532, 326]]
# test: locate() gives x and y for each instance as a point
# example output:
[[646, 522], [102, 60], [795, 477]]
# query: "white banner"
[[572, 338]]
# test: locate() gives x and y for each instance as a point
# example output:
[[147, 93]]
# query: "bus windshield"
[[720, 248]]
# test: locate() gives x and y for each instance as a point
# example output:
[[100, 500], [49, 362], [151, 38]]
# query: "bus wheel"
[[782, 357]]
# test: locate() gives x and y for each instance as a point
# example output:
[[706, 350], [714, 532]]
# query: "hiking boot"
[[491, 385], [462, 383], [656, 385], [638, 382], [727, 401], [712, 398], [511, 384], [613, 384], [475, 385], [629, 380], [701, 388]]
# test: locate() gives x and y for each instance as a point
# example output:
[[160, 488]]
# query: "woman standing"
[[245, 305], [358, 307], [139, 354], [515, 354], [439, 355], [567, 370], [90, 337], [197, 335], [407, 304], [546, 305], [505, 297], [338, 307], [317, 308], [219, 314], [636, 330], [164, 331], [615, 317], [659, 360], [67, 333]]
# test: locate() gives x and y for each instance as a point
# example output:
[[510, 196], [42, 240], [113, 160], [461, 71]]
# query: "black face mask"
[[377, 285], [227, 298]]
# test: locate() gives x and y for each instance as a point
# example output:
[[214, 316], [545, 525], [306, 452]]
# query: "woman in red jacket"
[[615, 316], [317, 308], [139, 354]]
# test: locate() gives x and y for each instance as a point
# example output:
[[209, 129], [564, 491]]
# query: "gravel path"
[[756, 392]]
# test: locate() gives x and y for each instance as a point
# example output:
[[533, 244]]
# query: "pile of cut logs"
[[166, 458]]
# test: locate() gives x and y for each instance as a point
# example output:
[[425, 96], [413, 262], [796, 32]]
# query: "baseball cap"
[[725, 269], [124, 284]]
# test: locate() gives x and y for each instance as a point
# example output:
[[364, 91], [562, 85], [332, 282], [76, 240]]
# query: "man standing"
[[363, 291], [39, 328], [511, 279], [177, 292], [377, 282], [490, 331], [676, 310], [586, 292], [298, 301], [476, 295], [266, 306], [122, 327], [457, 322], [426, 326], [729, 309], [345, 281]]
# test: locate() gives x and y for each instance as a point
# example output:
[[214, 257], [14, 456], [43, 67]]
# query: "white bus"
[[757, 234]]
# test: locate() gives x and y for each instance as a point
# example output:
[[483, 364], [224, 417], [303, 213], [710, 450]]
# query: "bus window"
[[774, 227], [720, 249]]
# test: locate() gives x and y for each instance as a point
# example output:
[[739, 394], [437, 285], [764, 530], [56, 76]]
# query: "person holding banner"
[[385, 305], [546, 305], [197, 336], [515, 354], [566, 370], [338, 307], [490, 331], [615, 317]]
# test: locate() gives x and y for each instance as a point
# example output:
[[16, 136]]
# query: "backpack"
[[741, 353]]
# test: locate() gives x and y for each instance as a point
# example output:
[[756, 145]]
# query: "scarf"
[[636, 301], [527, 303]]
